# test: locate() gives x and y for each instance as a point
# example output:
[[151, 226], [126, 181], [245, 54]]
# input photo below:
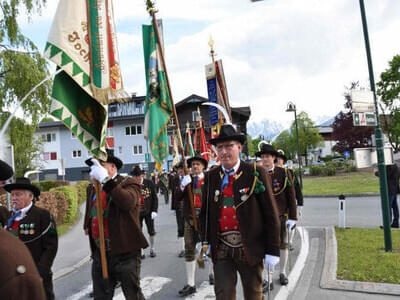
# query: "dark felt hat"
[[179, 165], [22, 183], [228, 133], [198, 158], [281, 154], [267, 149], [5, 171], [136, 171], [110, 159]]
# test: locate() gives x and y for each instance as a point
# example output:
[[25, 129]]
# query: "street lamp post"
[[291, 107], [379, 141]]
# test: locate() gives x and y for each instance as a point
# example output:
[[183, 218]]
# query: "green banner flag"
[[158, 108], [73, 100]]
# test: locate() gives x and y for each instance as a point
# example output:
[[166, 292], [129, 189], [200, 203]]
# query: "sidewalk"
[[73, 249]]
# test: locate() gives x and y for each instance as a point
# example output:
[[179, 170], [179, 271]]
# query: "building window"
[[48, 137], [137, 149], [73, 136], [50, 156], [133, 130], [76, 153], [110, 131], [195, 115], [119, 149]]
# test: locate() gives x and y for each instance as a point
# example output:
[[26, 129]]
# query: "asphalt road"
[[164, 275]]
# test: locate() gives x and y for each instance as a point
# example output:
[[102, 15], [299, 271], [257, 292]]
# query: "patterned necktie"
[[196, 182], [225, 180], [12, 218]]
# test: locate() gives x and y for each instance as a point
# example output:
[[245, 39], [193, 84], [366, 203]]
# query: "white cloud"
[[273, 51]]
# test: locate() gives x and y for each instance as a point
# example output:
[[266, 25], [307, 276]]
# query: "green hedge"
[[71, 193], [47, 185], [81, 189]]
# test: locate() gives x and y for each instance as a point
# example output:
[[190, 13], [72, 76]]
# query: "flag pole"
[[151, 9]]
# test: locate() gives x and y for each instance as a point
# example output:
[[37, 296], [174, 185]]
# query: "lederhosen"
[[144, 214], [191, 236]]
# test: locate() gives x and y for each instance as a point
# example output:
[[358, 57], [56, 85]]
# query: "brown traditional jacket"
[[19, 278], [37, 230], [123, 215], [256, 212], [176, 192], [284, 192]]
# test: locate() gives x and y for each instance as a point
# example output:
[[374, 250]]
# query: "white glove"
[[290, 224], [97, 171], [270, 262], [153, 215], [186, 180], [300, 210]]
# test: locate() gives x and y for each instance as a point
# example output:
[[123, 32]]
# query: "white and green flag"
[[82, 43]]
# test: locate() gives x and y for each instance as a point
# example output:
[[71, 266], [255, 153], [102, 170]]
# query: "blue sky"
[[273, 51]]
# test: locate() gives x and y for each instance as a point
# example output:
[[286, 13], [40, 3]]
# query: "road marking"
[[294, 275], [302, 289], [83, 292], [205, 291], [149, 285]]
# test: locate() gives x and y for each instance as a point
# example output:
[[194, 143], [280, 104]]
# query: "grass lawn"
[[361, 255], [348, 183]]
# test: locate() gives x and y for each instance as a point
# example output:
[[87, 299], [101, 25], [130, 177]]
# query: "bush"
[[56, 203], [81, 187], [316, 170], [329, 170], [350, 168], [71, 194], [47, 185]]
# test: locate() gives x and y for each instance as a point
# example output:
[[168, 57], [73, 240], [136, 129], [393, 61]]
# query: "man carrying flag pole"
[[82, 42]]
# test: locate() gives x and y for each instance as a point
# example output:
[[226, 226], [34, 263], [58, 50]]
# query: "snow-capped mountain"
[[268, 129]]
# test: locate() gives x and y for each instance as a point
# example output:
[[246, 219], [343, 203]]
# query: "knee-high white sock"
[[210, 267], [283, 260], [152, 242], [292, 235], [182, 243], [190, 270]]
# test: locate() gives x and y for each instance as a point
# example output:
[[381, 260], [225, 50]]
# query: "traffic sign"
[[364, 119]]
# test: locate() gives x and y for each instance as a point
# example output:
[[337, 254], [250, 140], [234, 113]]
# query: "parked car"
[[340, 159], [318, 163]]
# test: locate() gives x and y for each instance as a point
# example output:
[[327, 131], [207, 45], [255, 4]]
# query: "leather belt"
[[231, 238]]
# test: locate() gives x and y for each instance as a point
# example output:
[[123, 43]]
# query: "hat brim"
[[282, 156], [201, 159], [241, 138], [274, 153], [5, 171], [20, 186], [115, 160]]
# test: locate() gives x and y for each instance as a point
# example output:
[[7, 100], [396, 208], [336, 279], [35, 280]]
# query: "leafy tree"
[[389, 91], [348, 136], [287, 142], [309, 137], [22, 69], [27, 149]]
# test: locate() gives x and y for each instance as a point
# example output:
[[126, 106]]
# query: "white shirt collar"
[[200, 176], [272, 169], [23, 212], [235, 167]]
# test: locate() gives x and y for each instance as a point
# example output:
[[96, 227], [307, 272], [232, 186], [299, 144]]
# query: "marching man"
[[191, 235], [148, 204], [239, 219], [283, 190]]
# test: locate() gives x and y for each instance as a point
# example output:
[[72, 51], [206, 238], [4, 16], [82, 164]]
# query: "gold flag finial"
[[211, 44]]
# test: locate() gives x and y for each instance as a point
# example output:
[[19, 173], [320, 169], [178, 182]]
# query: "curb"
[[330, 281], [64, 272], [346, 195]]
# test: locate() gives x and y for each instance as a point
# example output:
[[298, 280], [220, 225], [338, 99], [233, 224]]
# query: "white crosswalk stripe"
[[204, 291], [149, 285]]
